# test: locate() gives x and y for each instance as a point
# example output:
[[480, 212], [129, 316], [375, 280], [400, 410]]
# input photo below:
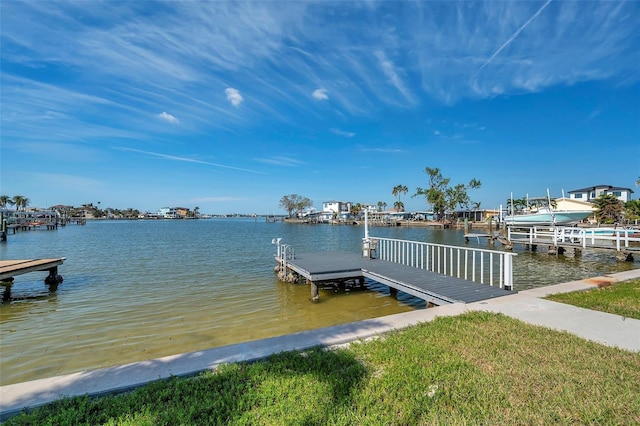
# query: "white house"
[[593, 192], [337, 207], [370, 208], [168, 212]]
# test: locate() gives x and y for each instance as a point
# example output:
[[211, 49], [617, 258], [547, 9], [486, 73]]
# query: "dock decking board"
[[10, 268], [427, 285]]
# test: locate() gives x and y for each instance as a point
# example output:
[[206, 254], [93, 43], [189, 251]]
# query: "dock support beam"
[[393, 292], [53, 278], [3, 227], [315, 293]]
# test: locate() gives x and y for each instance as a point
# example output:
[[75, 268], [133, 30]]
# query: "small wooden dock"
[[434, 288], [11, 268]]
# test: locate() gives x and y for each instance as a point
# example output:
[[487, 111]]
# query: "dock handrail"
[[585, 237], [286, 252], [473, 264]]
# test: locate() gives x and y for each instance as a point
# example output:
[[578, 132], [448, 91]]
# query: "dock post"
[[393, 292], [53, 279], [466, 225], [315, 293], [365, 241], [3, 227]]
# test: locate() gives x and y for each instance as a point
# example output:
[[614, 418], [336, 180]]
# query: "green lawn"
[[477, 368], [622, 298]]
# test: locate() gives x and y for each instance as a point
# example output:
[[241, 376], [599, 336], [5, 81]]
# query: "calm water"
[[145, 289]]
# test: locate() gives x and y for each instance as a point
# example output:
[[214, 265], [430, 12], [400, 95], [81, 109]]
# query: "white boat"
[[540, 212]]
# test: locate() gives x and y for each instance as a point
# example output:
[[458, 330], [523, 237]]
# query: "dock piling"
[[315, 293]]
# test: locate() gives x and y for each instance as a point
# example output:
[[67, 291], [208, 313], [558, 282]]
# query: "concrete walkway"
[[607, 329]]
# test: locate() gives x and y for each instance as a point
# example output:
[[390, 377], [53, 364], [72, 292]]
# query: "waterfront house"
[[335, 210], [593, 192], [337, 207], [168, 213]]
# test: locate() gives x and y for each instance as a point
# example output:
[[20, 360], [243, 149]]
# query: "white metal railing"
[[286, 252], [586, 237], [474, 264]]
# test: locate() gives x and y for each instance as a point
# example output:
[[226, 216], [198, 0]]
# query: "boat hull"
[[547, 218]]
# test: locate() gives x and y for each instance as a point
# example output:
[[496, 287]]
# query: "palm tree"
[[20, 202], [381, 206], [398, 206], [399, 189], [5, 200]]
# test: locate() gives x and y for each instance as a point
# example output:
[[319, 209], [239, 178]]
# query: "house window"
[[617, 193], [593, 194], [578, 196]]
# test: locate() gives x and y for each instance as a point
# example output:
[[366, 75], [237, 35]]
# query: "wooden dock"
[[432, 287], [559, 239], [11, 268]]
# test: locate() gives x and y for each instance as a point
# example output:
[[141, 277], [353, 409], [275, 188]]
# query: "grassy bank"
[[622, 298], [478, 368]]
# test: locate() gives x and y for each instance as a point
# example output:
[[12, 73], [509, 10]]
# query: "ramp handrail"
[[473, 264]]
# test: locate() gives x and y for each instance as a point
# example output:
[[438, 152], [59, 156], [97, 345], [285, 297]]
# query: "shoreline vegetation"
[[476, 368]]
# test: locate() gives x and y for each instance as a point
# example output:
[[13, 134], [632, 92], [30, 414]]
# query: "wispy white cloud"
[[281, 161], [168, 117], [342, 133], [320, 94], [383, 150], [184, 54], [514, 35], [393, 76], [234, 96], [596, 112], [185, 159]]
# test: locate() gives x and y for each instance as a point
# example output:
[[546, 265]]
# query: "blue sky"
[[228, 106]]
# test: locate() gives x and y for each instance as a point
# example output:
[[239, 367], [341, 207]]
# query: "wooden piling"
[[3, 227], [315, 293]]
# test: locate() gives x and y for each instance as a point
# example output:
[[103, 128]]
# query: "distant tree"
[[458, 196], [381, 206], [632, 210], [443, 198], [356, 209], [435, 192], [294, 204], [638, 182], [5, 200], [20, 202], [399, 189], [518, 204], [398, 206], [610, 208], [131, 213]]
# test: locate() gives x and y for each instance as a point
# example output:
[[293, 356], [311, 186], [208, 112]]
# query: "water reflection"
[[144, 289]]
